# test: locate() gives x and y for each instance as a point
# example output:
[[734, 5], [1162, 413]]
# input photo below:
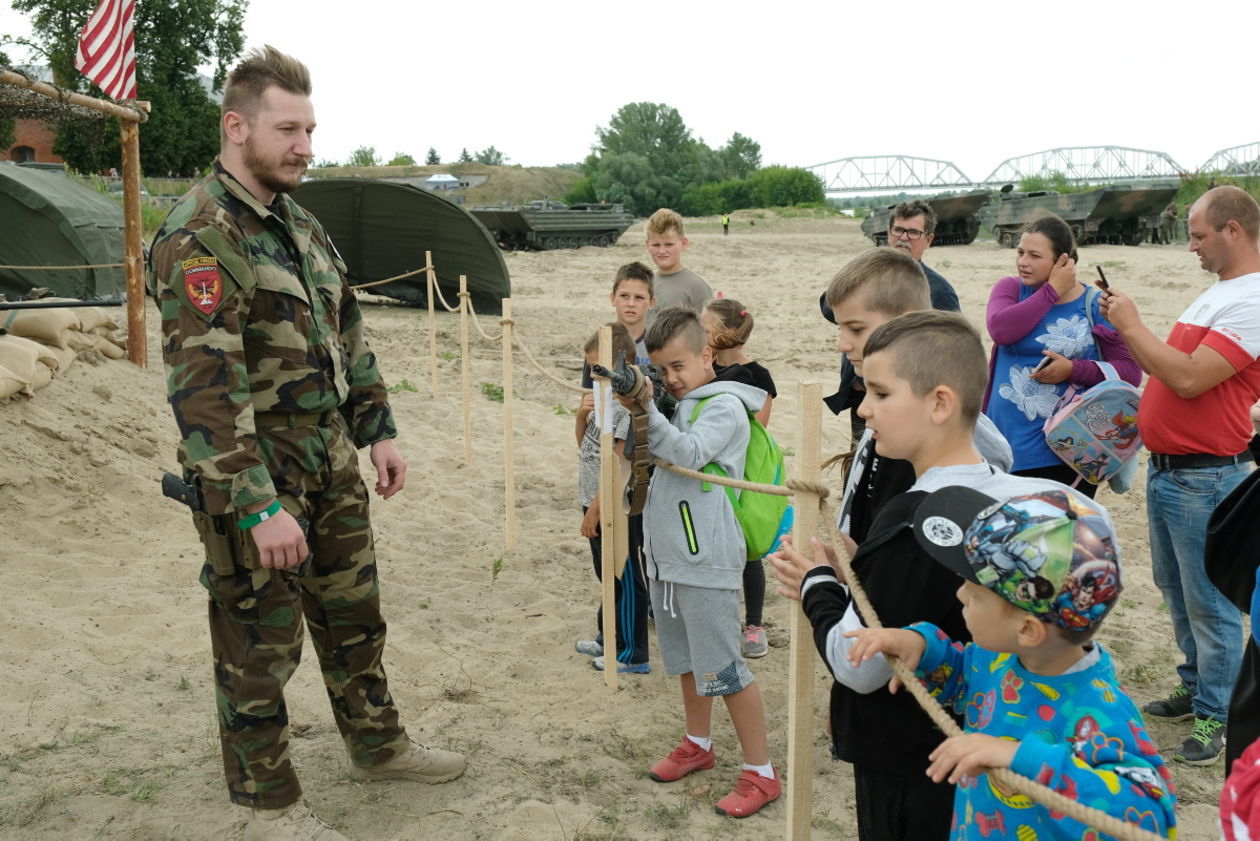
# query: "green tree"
[[464, 157], [781, 186], [432, 157], [646, 158], [172, 39], [364, 156], [741, 157], [401, 159], [582, 192], [490, 156]]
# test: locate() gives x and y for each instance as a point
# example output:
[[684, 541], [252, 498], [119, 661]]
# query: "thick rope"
[[520, 343], [64, 268], [438, 289], [467, 296], [380, 282], [793, 486]]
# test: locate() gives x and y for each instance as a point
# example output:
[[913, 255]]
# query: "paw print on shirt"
[[1011, 684], [1034, 399], [1068, 336], [980, 708]]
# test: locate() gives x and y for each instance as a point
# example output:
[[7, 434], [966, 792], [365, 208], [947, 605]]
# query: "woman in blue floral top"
[[1040, 316]]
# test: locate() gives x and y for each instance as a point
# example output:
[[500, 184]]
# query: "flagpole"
[[137, 339]]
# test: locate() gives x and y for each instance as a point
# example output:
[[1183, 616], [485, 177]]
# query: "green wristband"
[[251, 520]]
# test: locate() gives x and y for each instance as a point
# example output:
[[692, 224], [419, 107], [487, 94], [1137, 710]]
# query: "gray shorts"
[[697, 631]]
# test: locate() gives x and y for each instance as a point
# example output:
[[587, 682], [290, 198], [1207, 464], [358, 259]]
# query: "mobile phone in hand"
[[1042, 364], [1102, 280]]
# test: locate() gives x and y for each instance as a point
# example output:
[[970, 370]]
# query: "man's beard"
[[263, 171]]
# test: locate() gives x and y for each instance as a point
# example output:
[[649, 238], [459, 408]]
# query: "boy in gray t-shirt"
[[674, 284]]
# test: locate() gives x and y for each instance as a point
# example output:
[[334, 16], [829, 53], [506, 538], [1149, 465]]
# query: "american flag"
[[107, 49]]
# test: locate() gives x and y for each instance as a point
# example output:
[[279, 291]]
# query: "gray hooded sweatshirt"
[[690, 535]]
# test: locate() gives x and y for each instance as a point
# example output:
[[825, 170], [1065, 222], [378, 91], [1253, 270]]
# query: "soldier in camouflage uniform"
[[274, 388]]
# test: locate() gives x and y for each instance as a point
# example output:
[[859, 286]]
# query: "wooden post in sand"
[[509, 444], [432, 279], [607, 506], [465, 367], [133, 249], [801, 661]]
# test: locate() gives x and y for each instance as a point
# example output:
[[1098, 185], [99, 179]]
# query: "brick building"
[[32, 141]]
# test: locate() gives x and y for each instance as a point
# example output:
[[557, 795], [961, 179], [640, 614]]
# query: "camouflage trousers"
[[256, 620]]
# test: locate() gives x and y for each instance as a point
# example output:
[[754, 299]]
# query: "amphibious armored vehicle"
[[546, 225], [1118, 214], [957, 219]]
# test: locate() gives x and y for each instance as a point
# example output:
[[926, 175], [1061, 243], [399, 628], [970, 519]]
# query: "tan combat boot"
[[293, 823], [418, 763]]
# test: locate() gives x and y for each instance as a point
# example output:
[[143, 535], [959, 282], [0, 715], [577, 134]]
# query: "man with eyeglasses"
[[911, 229]]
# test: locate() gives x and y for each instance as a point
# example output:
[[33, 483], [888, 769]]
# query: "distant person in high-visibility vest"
[[726, 224]]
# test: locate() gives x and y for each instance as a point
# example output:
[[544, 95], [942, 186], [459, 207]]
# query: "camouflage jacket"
[[256, 317]]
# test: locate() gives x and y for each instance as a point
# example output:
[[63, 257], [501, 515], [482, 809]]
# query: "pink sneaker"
[[684, 759], [752, 791]]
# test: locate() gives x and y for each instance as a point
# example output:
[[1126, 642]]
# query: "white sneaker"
[[294, 823], [424, 765]]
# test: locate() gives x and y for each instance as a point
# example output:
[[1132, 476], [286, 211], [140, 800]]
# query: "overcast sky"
[[970, 81]]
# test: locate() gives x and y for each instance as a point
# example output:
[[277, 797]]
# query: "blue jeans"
[[1207, 626]]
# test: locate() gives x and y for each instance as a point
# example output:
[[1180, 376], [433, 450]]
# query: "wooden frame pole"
[[607, 507], [137, 113], [801, 663], [465, 367], [432, 295], [133, 248], [509, 442]]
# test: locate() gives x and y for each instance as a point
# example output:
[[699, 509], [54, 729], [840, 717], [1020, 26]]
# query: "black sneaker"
[[1204, 744], [1176, 707]]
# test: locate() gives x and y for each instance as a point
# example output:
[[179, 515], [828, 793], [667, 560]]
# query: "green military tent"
[[47, 219], [382, 229]]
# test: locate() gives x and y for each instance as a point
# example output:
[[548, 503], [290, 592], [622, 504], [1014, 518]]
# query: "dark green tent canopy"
[[382, 229], [47, 219]]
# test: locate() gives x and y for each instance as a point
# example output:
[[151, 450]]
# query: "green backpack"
[[764, 518]]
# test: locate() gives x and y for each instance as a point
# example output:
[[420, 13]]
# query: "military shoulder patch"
[[202, 283]]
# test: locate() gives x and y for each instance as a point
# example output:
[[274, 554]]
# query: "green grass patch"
[[401, 385], [492, 391]]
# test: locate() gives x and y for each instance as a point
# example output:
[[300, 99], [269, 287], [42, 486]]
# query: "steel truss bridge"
[[1237, 160], [1075, 164]]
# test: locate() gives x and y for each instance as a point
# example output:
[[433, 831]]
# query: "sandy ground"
[[107, 725]]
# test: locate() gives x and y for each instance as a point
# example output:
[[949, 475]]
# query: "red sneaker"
[[752, 791], [684, 759]]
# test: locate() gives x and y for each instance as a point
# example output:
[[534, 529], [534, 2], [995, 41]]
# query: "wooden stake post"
[[433, 359], [509, 445], [465, 367], [137, 339], [608, 507], [801, 663]]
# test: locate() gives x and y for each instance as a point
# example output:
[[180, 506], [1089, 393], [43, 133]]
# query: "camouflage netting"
[[18, 100]]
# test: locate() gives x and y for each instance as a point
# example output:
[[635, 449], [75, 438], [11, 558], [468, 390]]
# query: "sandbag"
[[43, 376], [92, 319], [21, 357], [109, 348], [79, 341], [48, 325], [62, 358], [10, 385]]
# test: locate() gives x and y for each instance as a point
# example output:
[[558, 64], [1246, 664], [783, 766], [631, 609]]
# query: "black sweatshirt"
[[880, 730]]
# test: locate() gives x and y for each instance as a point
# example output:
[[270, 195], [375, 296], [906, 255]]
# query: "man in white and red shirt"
[[1194, 420]]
